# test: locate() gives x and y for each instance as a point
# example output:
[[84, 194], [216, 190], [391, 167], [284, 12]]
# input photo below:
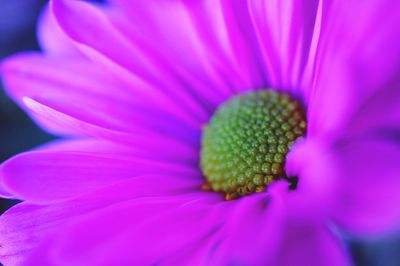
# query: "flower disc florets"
[[245, 144]]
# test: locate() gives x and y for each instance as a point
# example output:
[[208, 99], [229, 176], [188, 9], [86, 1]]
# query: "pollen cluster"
[[245, 144]]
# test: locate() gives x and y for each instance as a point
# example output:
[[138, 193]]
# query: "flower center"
[[245, 144]]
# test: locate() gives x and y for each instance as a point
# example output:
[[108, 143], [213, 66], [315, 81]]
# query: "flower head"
[[164, 114], [245, 145]]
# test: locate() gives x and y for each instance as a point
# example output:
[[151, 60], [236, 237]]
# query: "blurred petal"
[[103, 147], [4, 193], [379, 114], [285, 31], [251, 234], [315, 167], [25, 225], [123, 58], [51, 37], [311, 244], [217, 33], [370, 187], [145, 142], [166, 231], [358, 57], [81, 89], [49, 175], [143, 231]]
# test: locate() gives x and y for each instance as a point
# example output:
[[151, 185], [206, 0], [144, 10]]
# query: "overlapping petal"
[[146, 76], [311, 244], [50, 175], [52, 38], [133, 238], [357, 58], [287, 32], [212, 40], [370, 187], [79, 88], [123, 58], [26, 225], [216, 233]]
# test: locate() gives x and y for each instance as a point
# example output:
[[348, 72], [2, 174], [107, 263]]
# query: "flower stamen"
[[245, 144]]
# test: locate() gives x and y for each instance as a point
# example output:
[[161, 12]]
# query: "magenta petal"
[[123, 58], [358, 58], [218, 34], [370, 184], [51, 37], [80, 88], [313, 163], [146, 142], [355, 182], [24, 226], [137, 232], [310, 244], [145, 150], [285, 31], [49, 175], [191, 230], [380, 114], [4, 193], [251, 234]]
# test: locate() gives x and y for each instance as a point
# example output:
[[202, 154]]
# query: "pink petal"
[[217, 34], [121, 56], [311, 244], [370, 183], [50, 175], [251, 234], [192, 229], [379, 115], [80, 88], [4, 193], [286, 32], [24, 226], [51, 37], [316, 168], [358, 57], [139, 231], [355, 182], [102, 147], [146, 142]]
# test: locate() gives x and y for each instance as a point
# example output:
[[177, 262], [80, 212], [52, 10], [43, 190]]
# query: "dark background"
[[18, 133], [17, 33]]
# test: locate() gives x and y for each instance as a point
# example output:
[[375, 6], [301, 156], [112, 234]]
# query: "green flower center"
[[245, 144]]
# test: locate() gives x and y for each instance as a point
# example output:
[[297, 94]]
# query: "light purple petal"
[[357, 57], [370, 185], [24, 226], [52, 39], [310, 244], [251, 235], [379, 115], [146, 151], [355, 183], [151, 142], [217, 35], [121, 56], [286, 31], [315, 166], [80, 88], [4, 193], [194, 229], [49, 175], [139, 231]]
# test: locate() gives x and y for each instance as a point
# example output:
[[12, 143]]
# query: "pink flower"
[[130, 85]]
